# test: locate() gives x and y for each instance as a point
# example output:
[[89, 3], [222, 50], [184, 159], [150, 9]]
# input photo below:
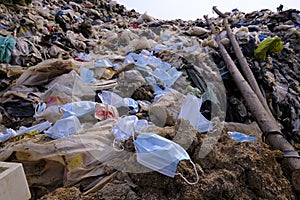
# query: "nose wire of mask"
[[197, 175]]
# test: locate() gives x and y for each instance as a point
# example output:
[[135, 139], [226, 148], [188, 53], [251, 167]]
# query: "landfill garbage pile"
[[276, 73], [99, 102]]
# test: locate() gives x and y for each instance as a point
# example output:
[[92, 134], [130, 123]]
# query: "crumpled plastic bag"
[[69, 87], [7, 44], [269, 45], [197, 31], [190, 110], [114, 99], [25, 52], [242, 35], [139, 44], [144, 18], [64, 127], [82, 155], [45, 72]]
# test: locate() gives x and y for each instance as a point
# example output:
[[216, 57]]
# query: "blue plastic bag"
[[241, 137]]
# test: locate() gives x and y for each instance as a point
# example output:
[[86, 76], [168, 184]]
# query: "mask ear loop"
[[40, 108], [100, 97], [190, 183], [119, 144], [133, 133]]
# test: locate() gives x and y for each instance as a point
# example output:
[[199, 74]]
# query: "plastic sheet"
[[45, 72], [69, 87], [125, 128], [87, 75], [84, 154], [190, 110]]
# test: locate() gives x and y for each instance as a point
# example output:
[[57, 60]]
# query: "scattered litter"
[[241, 137]]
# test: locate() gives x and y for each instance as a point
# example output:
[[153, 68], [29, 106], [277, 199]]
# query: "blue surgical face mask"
[[64, 127], [78, 109], [161, 154]]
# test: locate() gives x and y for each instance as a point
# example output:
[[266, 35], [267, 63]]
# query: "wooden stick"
[[243, 62], [266, 122], [101, 183]]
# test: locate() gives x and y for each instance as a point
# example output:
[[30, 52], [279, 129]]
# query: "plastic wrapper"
[[105, 111], [268, 46], [78, 109]]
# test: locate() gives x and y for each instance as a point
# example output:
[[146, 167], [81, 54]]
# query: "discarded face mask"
[[30, 130], [168, 77], [161, 155], [158, 92], [78, 109], [64, 127]]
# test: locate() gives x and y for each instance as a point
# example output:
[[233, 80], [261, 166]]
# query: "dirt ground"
[[232, 170]]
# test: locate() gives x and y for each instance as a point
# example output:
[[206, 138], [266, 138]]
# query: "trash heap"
[[107, 102], [260, 35]]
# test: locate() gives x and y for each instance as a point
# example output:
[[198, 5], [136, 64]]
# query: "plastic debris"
[[114, 99], [161, 154], [268, 46], [87, 75], [31, 130], [150, 65], [7, 44], [78, 109], [241, 137], [190, 110], [64, 127], [127, 127]]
